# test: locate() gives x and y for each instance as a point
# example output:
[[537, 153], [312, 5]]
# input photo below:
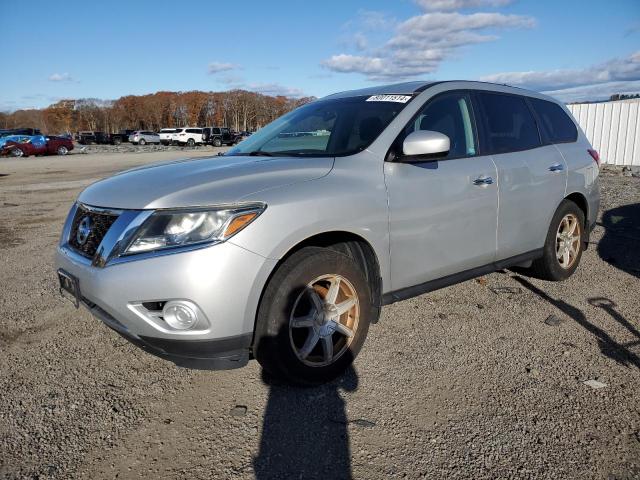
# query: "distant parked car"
[[167, 135], [142, 137], [86, 138], [121, 137], [217, 136], [189, 136], [240, 136], [27, 145], [102, 138], [19, 131], [58, 145]]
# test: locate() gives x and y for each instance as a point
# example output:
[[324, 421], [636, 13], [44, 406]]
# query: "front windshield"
[[332, 127]]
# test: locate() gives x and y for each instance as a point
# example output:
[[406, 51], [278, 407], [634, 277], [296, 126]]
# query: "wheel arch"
[[348, 243], [581, 201]]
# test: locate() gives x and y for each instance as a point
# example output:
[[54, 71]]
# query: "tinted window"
[[194, 130], [508, 123], [449, 114], [556, 125], [216, 131]]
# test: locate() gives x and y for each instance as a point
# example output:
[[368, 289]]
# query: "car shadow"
[[304, 432], [620, 245], [618, 352]]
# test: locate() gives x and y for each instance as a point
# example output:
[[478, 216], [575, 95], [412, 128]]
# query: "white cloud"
[[275, 90], [217, 67], [616, 69], [373, 20], [442, 5], [422, 42], [600, 91], [360, 41], [60, 77]]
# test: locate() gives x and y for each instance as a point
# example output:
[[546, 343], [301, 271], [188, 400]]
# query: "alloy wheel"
[[568, 241], [324, 320]]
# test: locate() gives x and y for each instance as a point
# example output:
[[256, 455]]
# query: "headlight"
[[176, 228]]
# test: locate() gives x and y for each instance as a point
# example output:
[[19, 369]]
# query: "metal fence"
[[613, 128]]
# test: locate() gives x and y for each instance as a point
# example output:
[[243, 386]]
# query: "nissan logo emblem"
[[84, 230]]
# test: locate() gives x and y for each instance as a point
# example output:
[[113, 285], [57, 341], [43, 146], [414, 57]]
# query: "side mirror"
[[425, 143]]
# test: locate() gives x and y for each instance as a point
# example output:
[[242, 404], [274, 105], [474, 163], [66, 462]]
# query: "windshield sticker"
[[389, 98]]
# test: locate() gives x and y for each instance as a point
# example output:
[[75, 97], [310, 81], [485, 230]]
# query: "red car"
[[23, 145]]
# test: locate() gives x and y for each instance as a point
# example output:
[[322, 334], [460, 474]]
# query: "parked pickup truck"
[[218, 136], [121, 137], [103, 138]]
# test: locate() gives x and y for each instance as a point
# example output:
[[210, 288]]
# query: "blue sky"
[[576, 49]]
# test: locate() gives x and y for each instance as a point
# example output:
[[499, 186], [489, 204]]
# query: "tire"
[[16, 152], [117, 141], [562, 251], [62, 150], [142, 142], [299, 355], [217, 142], [191, 143]]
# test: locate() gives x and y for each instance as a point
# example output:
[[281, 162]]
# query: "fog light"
[[179, 315]]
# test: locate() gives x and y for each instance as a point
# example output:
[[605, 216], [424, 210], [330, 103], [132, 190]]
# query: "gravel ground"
[[131, 148], [480, 380]]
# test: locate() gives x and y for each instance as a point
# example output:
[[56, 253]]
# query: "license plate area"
[[69, 287]]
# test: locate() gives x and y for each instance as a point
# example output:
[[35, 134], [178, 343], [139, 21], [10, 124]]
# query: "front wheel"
[[564, 244], [16, 152], [142, 141], [313, 317], [62, 150]]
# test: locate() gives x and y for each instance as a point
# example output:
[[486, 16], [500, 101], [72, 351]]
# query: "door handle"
[[483, 181], [556, 167]]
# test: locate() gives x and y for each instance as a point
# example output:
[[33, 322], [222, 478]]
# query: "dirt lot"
[[480, 380]]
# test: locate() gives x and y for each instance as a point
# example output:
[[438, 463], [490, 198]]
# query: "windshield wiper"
[[259, 153]]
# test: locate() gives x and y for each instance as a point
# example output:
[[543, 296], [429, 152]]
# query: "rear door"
[[531, 175], [442, 212]]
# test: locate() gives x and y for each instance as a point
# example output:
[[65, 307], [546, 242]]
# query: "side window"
[[216, 131], [556, 125], [509, 125], [449, 114]]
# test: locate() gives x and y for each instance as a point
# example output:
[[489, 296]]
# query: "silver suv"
[[286, 248]]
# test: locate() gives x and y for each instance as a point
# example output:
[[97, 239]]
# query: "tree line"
[[237, 109]]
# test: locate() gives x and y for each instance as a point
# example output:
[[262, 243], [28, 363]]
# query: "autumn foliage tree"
[[236, 109]]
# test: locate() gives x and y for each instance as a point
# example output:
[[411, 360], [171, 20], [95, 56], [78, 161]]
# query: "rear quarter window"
[[509, 125], [556, 126]]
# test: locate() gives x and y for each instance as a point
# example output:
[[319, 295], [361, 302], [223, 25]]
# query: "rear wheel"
[[564, 244], [217, 142], [191, 142], [62, 150], [117, 141], [313, 317]]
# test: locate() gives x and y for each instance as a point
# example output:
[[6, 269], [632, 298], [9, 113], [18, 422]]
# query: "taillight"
[[595, 155]]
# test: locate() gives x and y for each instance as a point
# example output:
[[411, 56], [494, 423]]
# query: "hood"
[[201, 181]]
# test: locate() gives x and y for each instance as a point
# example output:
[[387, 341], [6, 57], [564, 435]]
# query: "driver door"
[[443, 212]]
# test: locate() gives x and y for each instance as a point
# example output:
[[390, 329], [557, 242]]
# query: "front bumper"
[[225, 281], [218, 354]]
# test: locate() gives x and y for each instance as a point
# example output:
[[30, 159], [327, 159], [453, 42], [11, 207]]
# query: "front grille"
[[100, 223]]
